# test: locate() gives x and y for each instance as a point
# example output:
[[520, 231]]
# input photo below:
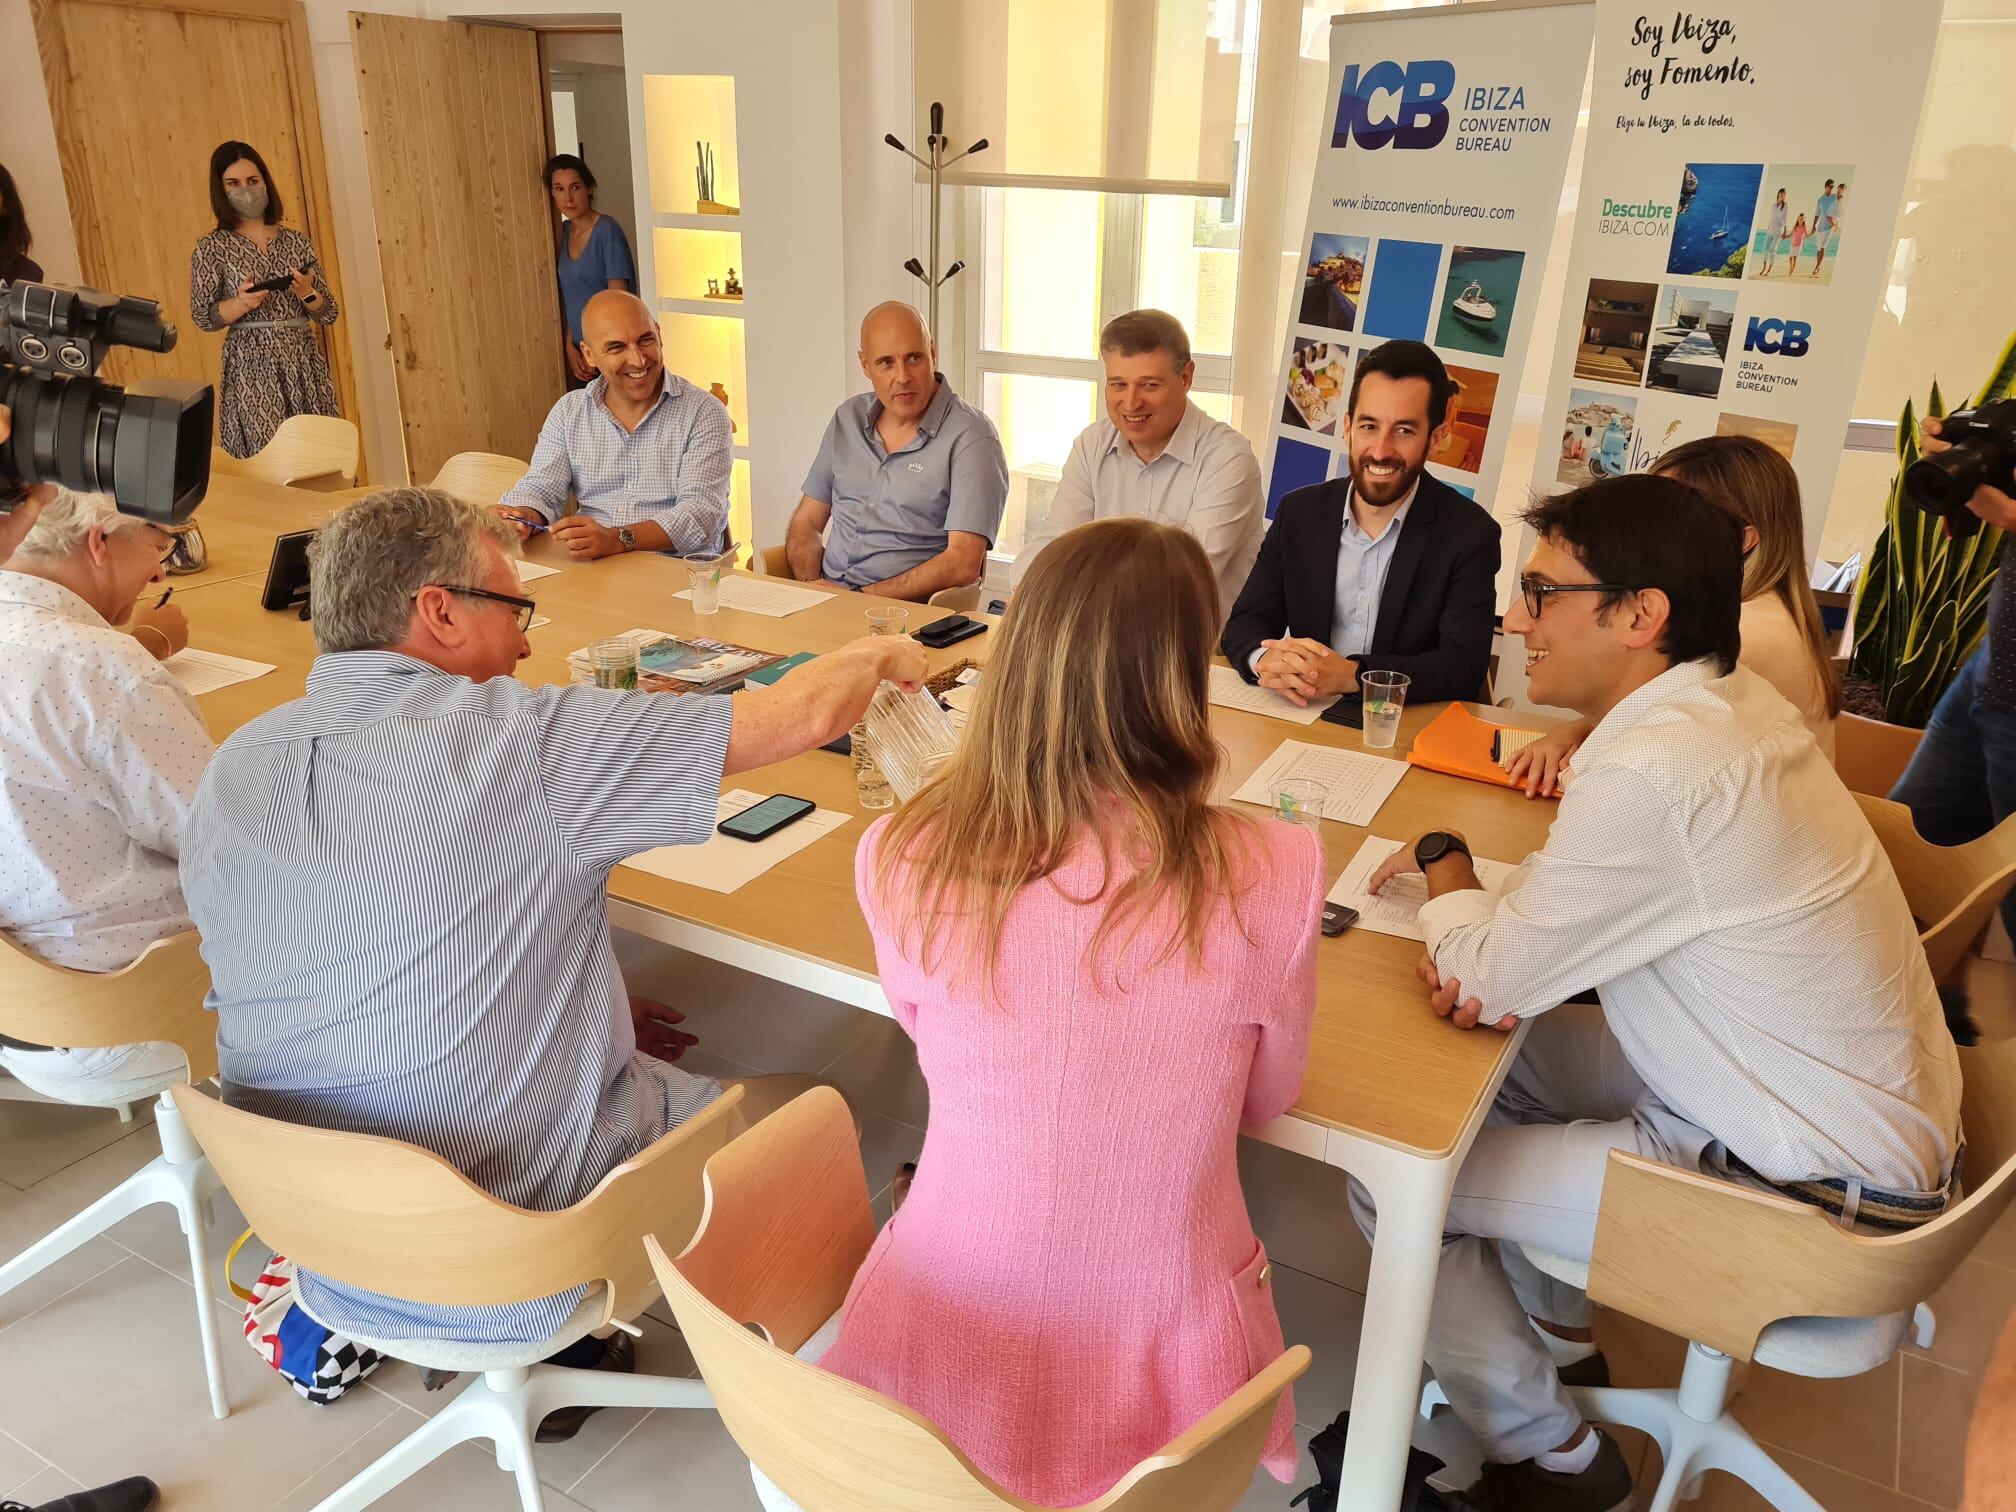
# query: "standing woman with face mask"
[[273, 367]]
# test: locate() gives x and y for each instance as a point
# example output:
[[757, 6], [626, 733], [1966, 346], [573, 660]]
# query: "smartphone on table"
[[762, 820], [1337, 918]]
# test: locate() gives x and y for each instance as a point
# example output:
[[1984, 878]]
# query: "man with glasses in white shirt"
[[1766, 1013]]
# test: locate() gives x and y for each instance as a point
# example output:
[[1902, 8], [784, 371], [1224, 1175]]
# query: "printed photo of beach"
[[1596, 437], [1690, 340], [1477, 300], [1799, 218], [1711, 232], [1334, 281]]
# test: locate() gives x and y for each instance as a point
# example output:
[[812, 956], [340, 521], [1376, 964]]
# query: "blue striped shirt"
[[673, 468], [400, 880]]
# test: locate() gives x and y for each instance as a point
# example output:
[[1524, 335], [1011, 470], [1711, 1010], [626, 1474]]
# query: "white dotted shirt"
[[1710, 876], [100, 754]]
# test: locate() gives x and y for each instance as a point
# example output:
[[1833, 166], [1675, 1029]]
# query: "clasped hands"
[[585, 539], [1446, 998], [1301, 669]]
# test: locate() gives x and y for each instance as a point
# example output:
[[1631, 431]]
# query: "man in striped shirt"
[[401, 880], [644, 453]]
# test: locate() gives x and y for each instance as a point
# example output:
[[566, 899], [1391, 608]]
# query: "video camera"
[[1983, 451], [148, 445]]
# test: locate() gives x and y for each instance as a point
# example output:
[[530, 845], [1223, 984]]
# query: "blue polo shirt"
[[894, 510]]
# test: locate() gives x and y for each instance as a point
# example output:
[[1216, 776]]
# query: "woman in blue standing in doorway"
[[593, 254]]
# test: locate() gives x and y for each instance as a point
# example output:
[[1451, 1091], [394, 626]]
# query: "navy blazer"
[[1439, 607]]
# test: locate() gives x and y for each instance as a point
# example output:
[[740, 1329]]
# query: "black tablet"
[[287, 577]]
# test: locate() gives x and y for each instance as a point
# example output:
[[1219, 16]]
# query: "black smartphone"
[[287, 575], [950, 631], [1337, 918], [280, 281], [766, 818]]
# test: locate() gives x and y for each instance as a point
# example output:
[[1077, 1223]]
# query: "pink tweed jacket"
[[1074, 1280]]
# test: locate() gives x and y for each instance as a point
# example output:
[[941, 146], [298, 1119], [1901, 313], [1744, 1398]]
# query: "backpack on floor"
[[319, 1364]]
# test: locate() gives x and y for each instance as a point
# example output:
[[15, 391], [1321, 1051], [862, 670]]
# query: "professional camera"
[[148, 446], [1983, 451]]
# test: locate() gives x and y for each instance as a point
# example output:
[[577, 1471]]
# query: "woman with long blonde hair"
[[1784, 641], [1105, 977]]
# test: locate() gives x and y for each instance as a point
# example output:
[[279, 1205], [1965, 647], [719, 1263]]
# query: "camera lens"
[[1943, 484]]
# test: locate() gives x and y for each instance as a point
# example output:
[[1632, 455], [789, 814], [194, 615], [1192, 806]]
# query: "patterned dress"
[[272, 365]]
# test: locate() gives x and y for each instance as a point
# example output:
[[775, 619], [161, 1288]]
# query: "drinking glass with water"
[[705, 572], [1384, 697], [871, 785]]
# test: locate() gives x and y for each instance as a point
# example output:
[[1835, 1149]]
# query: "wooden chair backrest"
[[1715, 1262], [304, 447], [159, 997], [776, 563], [395, 1218], [786, 1227], [965, 599], [1870, 755], [1952, 889], [479, 477]]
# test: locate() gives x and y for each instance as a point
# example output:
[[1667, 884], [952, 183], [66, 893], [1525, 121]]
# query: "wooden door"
[[142, 92], [455, 137]]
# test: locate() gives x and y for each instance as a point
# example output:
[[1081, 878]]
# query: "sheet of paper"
[[755, 596], [724, 864], [1396, 910], [531, 572], [207, 671], [1231, 691], [1358, 783]]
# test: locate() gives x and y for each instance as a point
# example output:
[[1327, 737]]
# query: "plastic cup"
[[615, 663], [1299, 800], [1384, 697], [705, 572], [887, 619]]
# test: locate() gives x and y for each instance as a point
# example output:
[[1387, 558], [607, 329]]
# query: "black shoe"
[[1604, 1487], [1594, 1371], [619, 1354], [134, 1494]]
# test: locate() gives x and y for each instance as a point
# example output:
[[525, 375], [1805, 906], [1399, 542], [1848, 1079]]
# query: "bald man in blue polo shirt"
[[910, 477]]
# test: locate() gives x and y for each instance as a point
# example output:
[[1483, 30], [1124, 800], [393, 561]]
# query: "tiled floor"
[[101, 1375]]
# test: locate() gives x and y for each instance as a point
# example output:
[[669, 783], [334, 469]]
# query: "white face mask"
[[249, 201]]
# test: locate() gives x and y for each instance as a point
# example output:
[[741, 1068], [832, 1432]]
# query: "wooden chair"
[[397, 1219], [1953, 890], [774, 561], [1871, 755], [787, 1226], [479, 477], [158, 998], [1748, 1275], [306, 451]]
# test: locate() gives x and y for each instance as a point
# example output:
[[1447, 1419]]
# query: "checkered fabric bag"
[[318, 1364]]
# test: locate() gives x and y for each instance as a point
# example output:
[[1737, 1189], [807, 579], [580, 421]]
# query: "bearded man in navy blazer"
[[1387, 569]]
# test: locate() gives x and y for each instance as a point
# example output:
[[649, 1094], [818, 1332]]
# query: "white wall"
[[28, 145]]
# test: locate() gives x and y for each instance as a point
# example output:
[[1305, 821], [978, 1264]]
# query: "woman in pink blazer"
[[1105, 977]]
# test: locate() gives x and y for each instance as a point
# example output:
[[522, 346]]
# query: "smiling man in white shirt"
[[1158, 456], [1766, 1014], [101, 751]]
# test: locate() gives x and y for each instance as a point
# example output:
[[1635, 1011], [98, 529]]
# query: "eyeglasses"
[[523, 606], [1536, 592]]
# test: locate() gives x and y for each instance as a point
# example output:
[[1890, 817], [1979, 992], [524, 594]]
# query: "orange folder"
[[1459, 743]]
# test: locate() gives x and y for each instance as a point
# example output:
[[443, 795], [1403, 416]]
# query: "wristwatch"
[[627, 536], [1435, 845]]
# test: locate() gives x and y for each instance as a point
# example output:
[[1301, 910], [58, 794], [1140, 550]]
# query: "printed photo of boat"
[[1335, 281], [1711, 232], [1690, 340], [1475, 314]]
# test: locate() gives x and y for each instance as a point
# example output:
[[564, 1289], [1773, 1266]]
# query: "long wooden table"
[[1392, 1094]]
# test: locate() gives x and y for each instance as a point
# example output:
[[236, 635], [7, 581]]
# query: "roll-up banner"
[[1435, 199], [1739, 196]]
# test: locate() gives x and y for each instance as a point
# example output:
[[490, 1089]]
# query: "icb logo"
[[1417, 118], [1778, 338]]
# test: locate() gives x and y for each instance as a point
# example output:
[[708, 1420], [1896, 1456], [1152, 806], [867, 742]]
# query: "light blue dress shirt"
[[1362, 565]]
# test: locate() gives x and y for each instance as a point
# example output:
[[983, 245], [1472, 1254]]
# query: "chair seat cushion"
[[1819, 1347], [442, 1354]]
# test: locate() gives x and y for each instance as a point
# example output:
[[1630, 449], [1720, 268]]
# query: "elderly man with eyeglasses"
[[401, 882]]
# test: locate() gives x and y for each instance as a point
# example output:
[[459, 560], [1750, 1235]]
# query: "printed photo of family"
[[1799, 219]]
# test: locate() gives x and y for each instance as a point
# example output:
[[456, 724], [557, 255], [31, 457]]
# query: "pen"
[[162, 602]]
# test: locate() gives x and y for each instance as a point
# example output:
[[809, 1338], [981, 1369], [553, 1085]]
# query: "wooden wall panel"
[[455, 136], [143, 91]]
